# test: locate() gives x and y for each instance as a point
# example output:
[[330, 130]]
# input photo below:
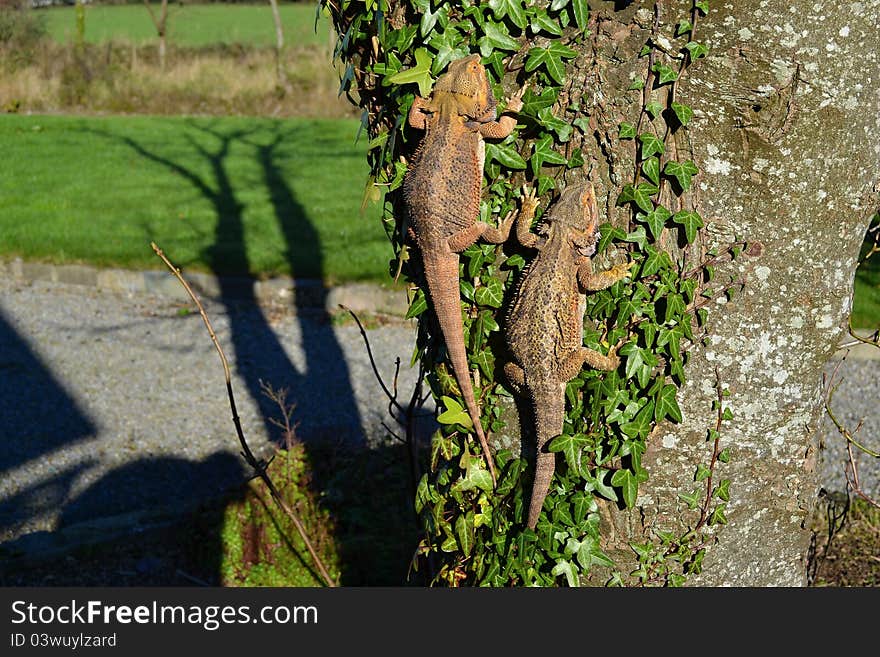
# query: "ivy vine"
[[475, 534]]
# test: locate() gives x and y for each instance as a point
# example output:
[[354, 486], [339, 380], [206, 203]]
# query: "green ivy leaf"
[[449, 46], [626, 130], [636, 85], [640, 194], [682, 172], [554, 123], [722, 491], [651, 169], [511, 8], [691, 221], [545, 154], [576, 160], [491, 293], [665, 404], [420, 73], [696, 50], [506, 155], [541, 22], [683, 113], [692, 499], [581, 13], [727, 414], [724, 456], [641, 424], [683, 28], [454, 413], [464, 531], [429, 19], [653, 109], [564, 567], [664, 73], [702, 473], [638, 236], [418, 306], [703, 6], [651, 145], [656, 220], [628, 484], [573, 447], [496, 36], [533, 103], [718, 517], [551, 59]]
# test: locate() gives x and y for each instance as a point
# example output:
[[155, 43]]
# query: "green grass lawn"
[[192, 25], [866, 298], [228, 195]]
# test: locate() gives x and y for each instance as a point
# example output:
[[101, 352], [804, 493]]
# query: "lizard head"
[[466, 80], [576, 213]]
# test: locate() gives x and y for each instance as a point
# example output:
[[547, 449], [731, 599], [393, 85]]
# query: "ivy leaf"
[[533, 103], [496, 36], [581, 13], [640, 194], [664, 73], [420, 73], [626, 130], [506, 155], [464, 531], [572, 446], [556, 5], [542, 22], [651, 145], [554, 123], [722, 491], [683, 28], [512, 8], [449, 46], [607, 232], [576, 160], [651, 169], [418, 306], [544, 153], [703, 6], [653, 109], [718, 517], [665, 404], [628, 484], [683, 113], [696, 50], [638, 236], [641, 424], [675, 307], [691, 221], [656, 220], [682, 172], [454, 413], [692, 499], [429, 20], [724, 456], [564, 567], [551, 59], [601, 487], [653, 262], [491, 293]]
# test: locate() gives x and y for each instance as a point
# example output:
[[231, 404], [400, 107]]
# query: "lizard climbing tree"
[[731, 148]]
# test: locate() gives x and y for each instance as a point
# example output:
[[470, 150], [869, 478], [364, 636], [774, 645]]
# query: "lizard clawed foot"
[[529, 198], [515, 102]]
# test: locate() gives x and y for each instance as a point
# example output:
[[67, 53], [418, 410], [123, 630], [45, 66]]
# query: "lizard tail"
[[443, 289], [549, 412]]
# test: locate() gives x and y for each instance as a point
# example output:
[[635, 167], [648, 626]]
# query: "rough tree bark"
[[787, 139]]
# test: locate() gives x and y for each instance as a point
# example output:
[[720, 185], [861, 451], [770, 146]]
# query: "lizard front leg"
[[505, 125], [461, 240], [571, 365], [419, 112], [590, 282], [516, 376], [526, 214]]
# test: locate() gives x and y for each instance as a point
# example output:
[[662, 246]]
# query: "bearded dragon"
[[442, 189], [544, 325]]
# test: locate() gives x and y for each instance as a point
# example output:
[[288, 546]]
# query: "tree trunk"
[[160, 22], [786, 138], [280, 77]]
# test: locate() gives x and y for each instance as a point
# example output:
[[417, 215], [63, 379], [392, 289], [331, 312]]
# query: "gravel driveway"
[[115, 402]]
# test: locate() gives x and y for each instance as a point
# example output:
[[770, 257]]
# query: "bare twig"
[[258, 467]]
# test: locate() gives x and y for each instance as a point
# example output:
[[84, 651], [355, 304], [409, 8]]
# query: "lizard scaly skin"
[[544, 326], [442, 190]]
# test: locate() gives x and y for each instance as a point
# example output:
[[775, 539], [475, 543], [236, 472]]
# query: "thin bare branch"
[[259, 468]]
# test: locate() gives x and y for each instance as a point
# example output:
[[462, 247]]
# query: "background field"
[[229, 195], [193, 25]]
